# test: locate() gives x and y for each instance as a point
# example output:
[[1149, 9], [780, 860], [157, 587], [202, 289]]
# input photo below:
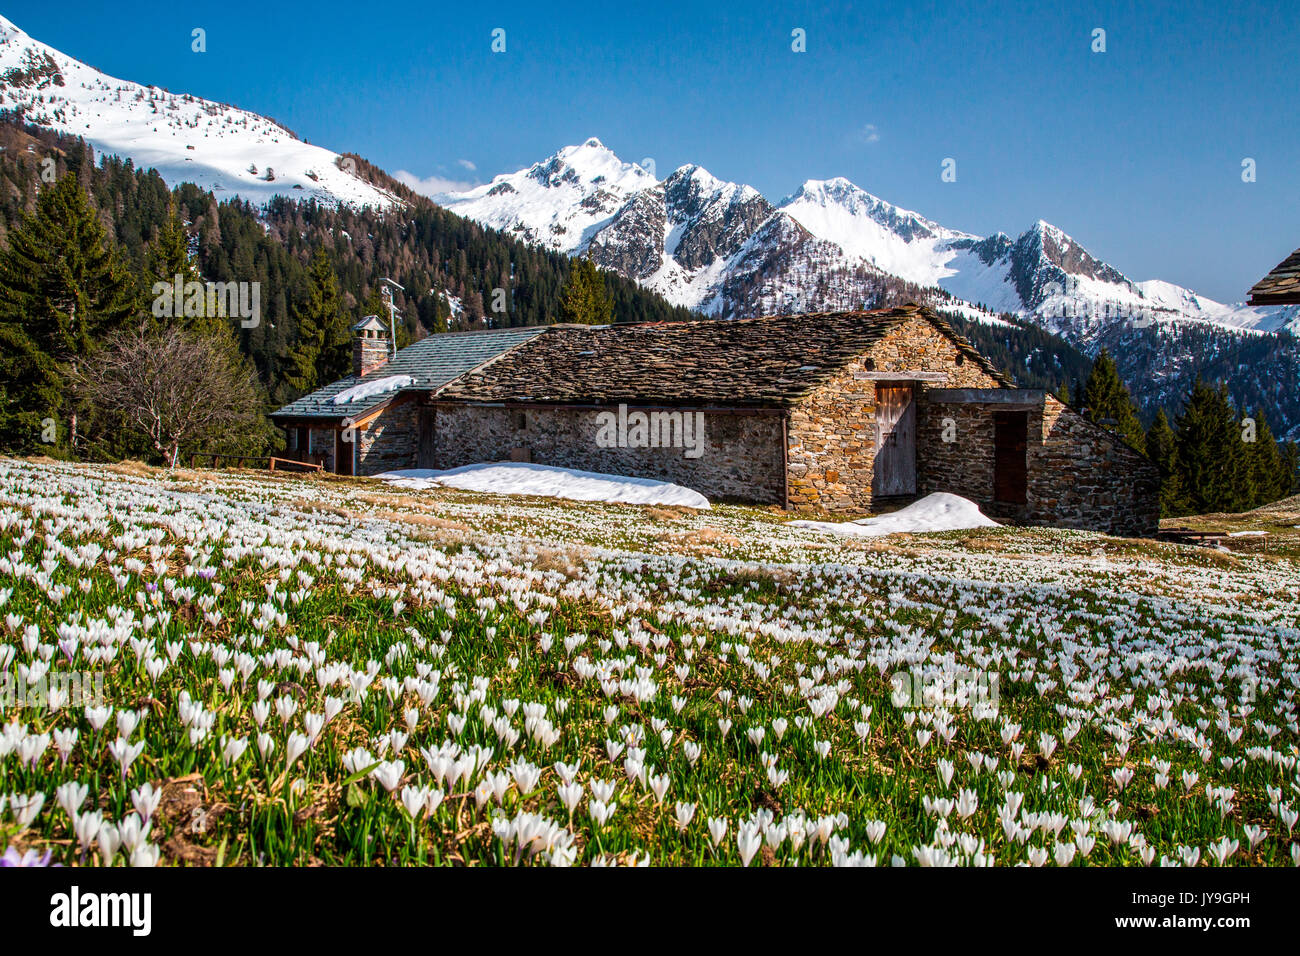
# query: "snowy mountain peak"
[[690, 188], [592, 161], [561, 201], [221, 148], [1053, 247], [857, 202]]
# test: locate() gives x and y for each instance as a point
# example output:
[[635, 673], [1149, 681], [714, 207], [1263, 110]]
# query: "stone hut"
[[376, 419], [840, 412]]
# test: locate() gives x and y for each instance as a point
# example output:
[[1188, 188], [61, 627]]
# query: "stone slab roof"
[[1281, 286], [772, 361], [431, 363]]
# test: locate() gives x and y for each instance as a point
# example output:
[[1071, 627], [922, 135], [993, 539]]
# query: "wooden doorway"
[[424, 451], [1010, 465], [895, 471], [343, 449]]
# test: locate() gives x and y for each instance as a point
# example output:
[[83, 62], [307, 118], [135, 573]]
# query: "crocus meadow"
[[289, 670]]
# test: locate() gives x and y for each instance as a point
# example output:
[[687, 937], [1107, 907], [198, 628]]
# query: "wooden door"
[[1010, 466], [895, 472], [424, 453], [343, 449]]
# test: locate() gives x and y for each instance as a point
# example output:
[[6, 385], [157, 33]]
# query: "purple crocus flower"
[[12, 857]]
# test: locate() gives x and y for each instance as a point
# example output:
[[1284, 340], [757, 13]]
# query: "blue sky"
[[1136, 152]]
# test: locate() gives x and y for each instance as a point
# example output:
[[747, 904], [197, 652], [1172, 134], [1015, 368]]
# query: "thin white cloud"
[[869, 133], [467, 164], [431, 186]]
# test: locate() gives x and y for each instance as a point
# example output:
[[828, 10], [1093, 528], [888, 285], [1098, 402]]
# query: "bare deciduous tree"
[[178, 386]]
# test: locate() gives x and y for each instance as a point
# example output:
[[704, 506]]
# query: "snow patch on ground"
[[937, 512], [380, 386], [521, 478]]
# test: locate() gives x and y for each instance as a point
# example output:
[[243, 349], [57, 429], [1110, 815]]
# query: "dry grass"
[[986, 543], [303, 504], [556, 559], [422, 519], [395, 501], [704, 541], [134, 468]]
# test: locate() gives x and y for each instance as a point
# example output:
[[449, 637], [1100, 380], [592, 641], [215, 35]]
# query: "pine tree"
[[321, 352], [585, 299], [1107, 402], [335, 358], [1288, 469], [169, 254], [1268, 464], [1208, 449], [169, 260], [62, 289], [1162, 449]]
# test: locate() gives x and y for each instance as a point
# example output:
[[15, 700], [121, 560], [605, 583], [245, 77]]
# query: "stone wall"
[[1082, 476], [954, 451], [740, 457], [832, 437], [391, 441], [1079, 475]]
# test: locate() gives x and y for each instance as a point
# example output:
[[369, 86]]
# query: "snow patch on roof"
[[379, 386]]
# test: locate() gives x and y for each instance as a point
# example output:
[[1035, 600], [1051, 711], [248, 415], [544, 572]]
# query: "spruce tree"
[[62, 289], [321, 352], [1162, 449], [1208, 449], [585, 299], [169, 254], [1107, 402], [335, 358], [1269, 465]]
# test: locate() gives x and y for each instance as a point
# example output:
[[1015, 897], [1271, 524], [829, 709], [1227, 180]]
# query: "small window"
[[961, 358], [521, 421]]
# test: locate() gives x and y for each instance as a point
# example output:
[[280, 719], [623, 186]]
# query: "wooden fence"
[[270, 462]]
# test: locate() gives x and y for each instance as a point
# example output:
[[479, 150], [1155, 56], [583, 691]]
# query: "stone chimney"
[[370, 347]]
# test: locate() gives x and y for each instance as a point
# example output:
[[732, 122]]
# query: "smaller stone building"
[[841, 412], [376, 419]]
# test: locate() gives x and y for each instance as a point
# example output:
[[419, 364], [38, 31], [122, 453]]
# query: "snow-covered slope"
[[227, 150]]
